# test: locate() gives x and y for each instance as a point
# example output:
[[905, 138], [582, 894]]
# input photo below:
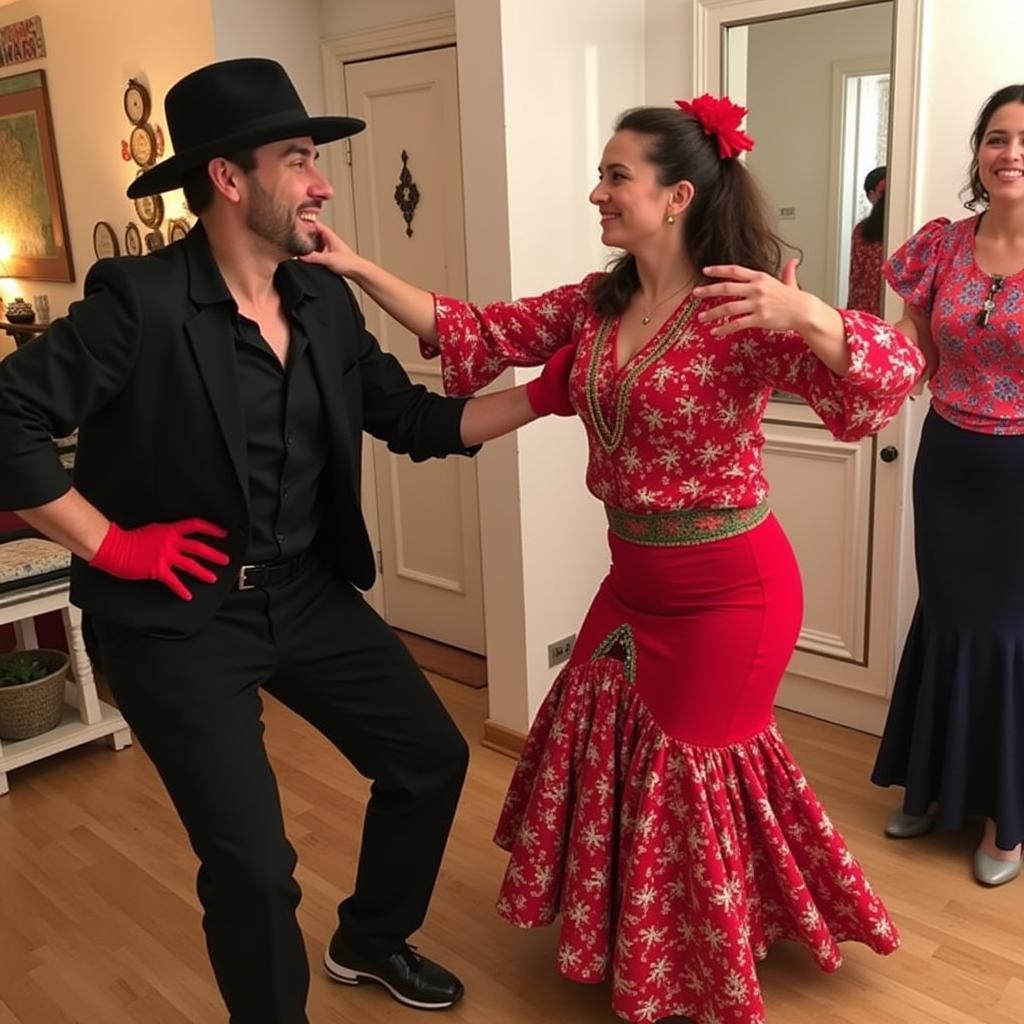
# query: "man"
[[221, 388]]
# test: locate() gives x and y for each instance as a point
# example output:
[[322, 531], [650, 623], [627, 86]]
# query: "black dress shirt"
[[286, 441]]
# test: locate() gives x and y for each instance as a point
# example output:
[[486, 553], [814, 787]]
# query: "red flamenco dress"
[[656, 807], [866, 259]]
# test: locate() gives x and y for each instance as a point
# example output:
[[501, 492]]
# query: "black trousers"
[[195, 706]]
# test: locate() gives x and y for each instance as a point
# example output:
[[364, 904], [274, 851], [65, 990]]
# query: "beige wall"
[[286, 30], [488, 266], [340, 16], [668, 50], [985, 53], [537, 108], [134, 39], [557, 122]]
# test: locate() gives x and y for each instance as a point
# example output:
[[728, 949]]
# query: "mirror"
[[817, 88]]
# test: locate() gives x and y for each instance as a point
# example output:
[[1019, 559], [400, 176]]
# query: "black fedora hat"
[[228, 106]]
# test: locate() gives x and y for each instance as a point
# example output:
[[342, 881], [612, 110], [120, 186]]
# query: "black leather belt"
[[267, 574]]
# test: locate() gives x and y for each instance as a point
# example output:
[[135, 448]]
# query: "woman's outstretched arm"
[[412, 307]]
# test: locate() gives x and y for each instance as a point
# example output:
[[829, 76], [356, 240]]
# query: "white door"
[[407, 181], [839, 504]]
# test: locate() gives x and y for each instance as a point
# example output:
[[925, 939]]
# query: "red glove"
[[549, 393], [152, 553]]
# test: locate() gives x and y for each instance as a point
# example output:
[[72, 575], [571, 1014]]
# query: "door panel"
[[838, 503], [406, 173], [821, 493]]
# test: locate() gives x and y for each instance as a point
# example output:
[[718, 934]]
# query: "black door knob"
[[889, 453]]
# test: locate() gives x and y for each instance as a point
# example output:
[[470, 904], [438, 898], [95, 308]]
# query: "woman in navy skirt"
[[955, 733]]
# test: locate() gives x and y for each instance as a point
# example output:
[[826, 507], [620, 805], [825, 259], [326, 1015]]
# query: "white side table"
[[85, 716]]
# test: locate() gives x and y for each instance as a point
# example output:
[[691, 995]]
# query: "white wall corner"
[[536, 109]]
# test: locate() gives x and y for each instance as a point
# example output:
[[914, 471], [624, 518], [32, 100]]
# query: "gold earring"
[[671, 219]]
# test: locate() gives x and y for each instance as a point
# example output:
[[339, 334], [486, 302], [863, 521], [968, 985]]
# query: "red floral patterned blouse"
[[979, 381], [679, 426], [865, 291]]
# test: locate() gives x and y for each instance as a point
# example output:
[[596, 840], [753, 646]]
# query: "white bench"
[[33, 581]]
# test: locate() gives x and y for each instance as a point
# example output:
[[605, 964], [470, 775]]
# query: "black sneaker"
[[412, 979]]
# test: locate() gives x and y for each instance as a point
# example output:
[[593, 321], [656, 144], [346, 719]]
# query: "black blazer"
[[144, 366]]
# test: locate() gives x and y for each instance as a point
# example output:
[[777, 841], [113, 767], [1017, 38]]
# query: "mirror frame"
[[712, 17]]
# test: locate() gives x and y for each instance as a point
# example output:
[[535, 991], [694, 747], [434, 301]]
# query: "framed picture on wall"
[[34, 242]]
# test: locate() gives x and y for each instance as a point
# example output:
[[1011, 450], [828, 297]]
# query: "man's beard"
[[275, 223]]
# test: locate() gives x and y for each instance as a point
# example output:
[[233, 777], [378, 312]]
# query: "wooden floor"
[[99, 923]]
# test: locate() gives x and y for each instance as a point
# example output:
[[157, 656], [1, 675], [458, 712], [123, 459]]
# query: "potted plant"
[[31, 692]]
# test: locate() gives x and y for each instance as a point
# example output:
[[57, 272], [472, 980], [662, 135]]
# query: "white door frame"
[[710, 17], [835, 230], [335, 52]]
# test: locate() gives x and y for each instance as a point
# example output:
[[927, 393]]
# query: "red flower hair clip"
[[720, 117]]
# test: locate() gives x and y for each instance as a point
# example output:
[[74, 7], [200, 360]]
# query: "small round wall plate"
[[136, 101], [177, 229], [150, 210], [133, 240], [142, 145], [104, 241]]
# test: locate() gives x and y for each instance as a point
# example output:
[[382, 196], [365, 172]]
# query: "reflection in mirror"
[[817, 87]]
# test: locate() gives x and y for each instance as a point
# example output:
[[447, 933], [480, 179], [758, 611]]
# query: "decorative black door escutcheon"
[[407, 195]]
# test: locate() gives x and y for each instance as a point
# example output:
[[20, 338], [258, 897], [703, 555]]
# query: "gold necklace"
[[611, 434], [645, 315]]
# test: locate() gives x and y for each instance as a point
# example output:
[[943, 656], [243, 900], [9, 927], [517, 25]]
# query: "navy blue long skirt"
[[955, 731]]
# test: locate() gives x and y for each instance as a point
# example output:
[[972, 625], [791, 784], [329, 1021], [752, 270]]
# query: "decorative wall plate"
[[177, 229], [142, 145], [136, 102], [150, 210], [133, 240], [104, 241]]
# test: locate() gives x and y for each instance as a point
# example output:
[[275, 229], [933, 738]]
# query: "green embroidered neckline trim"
[[611, 434], [684, 527]]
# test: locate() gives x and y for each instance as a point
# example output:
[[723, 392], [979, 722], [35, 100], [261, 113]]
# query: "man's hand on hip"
[[158, 551]]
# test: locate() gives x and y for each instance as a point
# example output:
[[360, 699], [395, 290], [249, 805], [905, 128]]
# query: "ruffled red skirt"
[[656, 807]]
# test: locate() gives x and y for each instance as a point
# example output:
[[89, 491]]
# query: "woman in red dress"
[[866, 249], [656, 807]]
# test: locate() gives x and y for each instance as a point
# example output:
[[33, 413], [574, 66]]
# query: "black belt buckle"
[[243, 577], [266, 574]]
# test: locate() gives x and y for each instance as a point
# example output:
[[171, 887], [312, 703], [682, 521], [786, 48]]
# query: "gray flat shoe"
[[908, 826], [992, 871]]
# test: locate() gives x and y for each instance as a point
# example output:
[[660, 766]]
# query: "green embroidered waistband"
[[685, 526]]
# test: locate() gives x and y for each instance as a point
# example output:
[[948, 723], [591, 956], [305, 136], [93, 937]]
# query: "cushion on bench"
[[30, 561]]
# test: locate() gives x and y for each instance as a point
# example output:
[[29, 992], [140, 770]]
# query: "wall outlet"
[[787, 213], [560, 650]]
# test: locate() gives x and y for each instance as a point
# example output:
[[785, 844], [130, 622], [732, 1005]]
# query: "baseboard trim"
[[502, 739], [865, 712]]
